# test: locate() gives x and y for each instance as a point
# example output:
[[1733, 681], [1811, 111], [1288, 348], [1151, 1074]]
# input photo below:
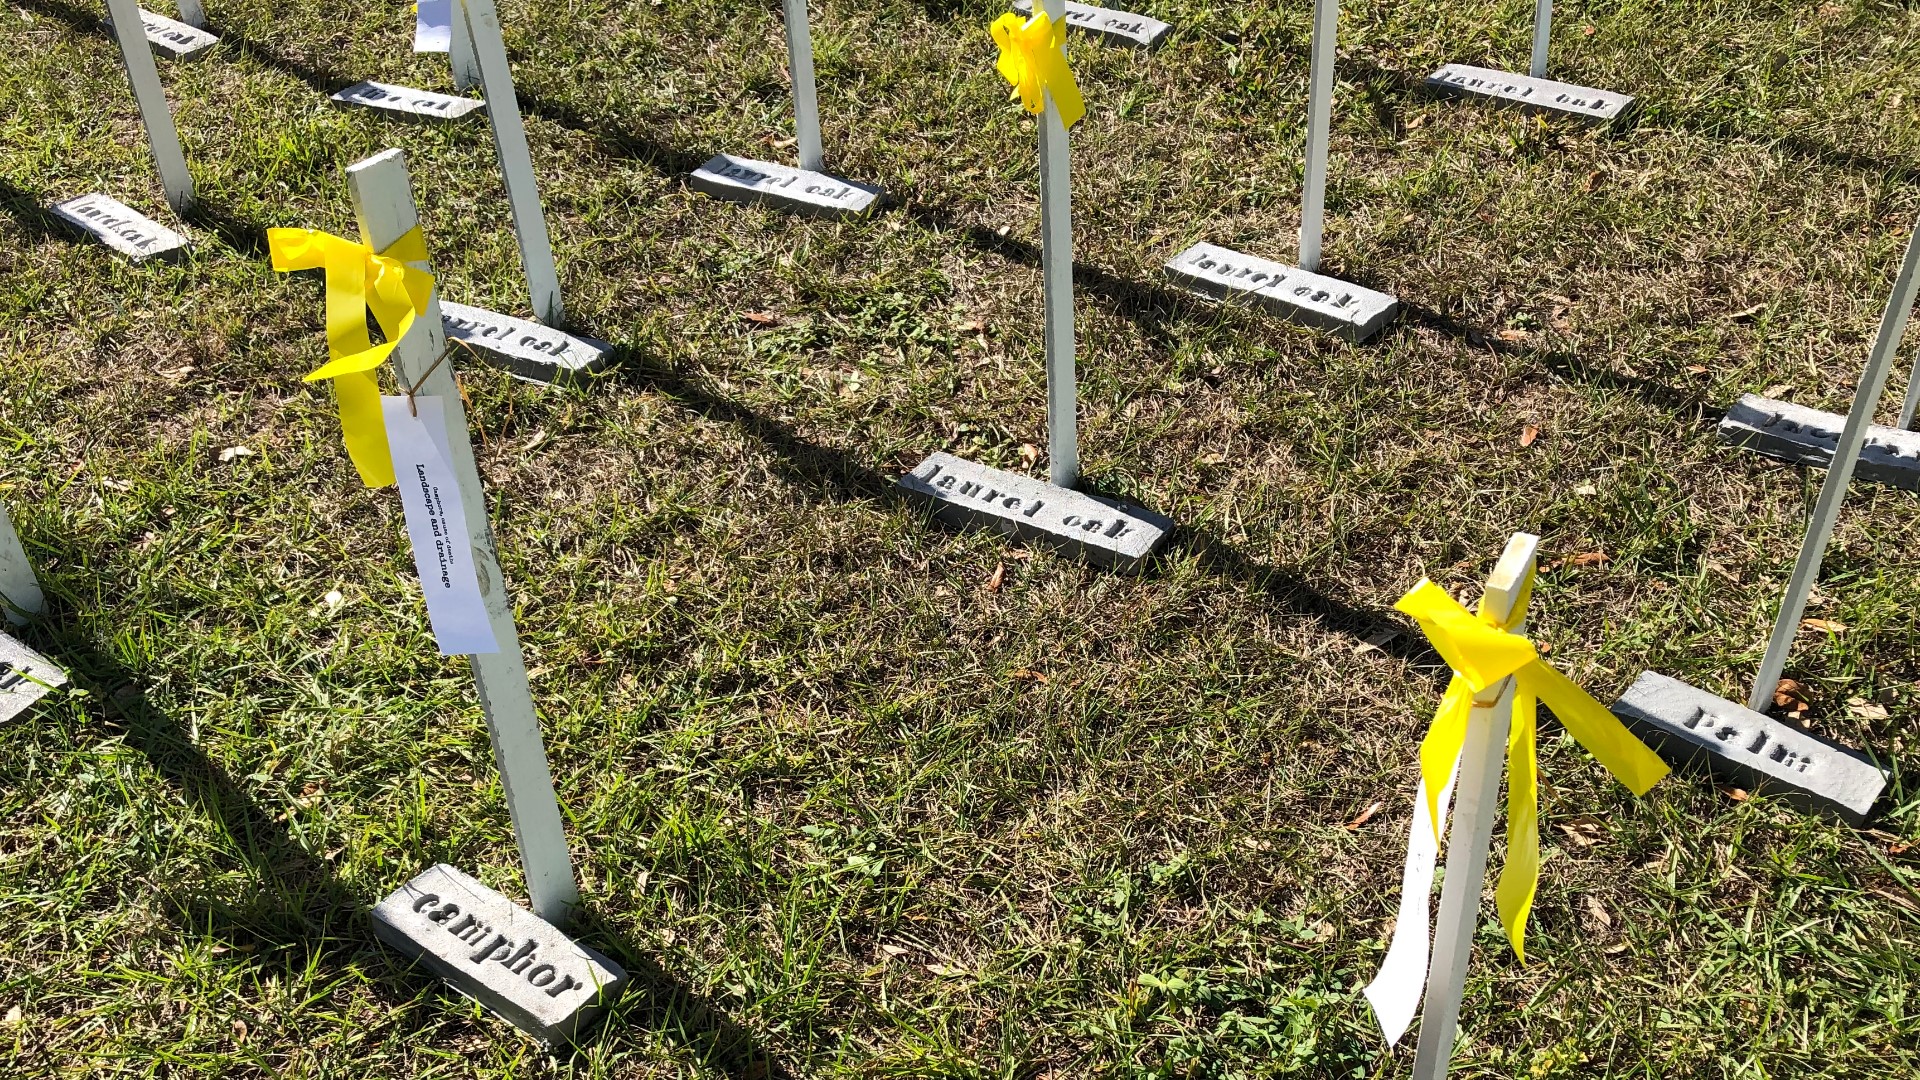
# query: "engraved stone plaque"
[[1101, 531], [492, 950], [1314, 299], [120, 226], [746, 180], [1119, 27], [407, 102], [1692, 728], [1564, 99], [525, 349], [25, 677], [1806, 436], [172, 37]]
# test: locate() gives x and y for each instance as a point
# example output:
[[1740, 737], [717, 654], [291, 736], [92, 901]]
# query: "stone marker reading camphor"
[[120, 226], [25, 677], [173, 37], [525, 349], [747, 180], [1806, 436], [1120, 27], [1100, 531], [510, 960], [407, 102], [1547, 95], [1351, 311], [1692, 728]]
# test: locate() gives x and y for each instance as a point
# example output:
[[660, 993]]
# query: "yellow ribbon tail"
[[1595, 728], [1033, 58], [1445, 738], [363, 428], [1520, 873]]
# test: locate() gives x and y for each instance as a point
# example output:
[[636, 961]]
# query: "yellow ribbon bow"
[[358, 280], [1033, 58], [1481, 652]]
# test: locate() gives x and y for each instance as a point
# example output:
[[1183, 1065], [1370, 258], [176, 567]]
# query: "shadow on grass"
[[300, 917]]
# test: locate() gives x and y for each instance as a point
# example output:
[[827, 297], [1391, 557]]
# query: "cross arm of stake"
[[1482, 652], [1033, 58], [358, 280]]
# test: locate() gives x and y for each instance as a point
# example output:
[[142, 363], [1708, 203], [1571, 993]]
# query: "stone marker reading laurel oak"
[[1122, 27], [174, 38], [1546, 95], [1351, 311], [492, 950], [407, 102], [1101, 531], [747, 180], [1692, 728], [526, 350], [1806, 436], [120, 227], [25, 677]]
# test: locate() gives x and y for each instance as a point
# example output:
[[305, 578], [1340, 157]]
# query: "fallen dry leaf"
[[1029, 454], [1896, 897], [1863, 709], [232, 452], [1366, 815], [13, 1015], [1734, 793], [1791, 696], [1831, 626], [764, 318], [947, 970], [1028, 675], [1599, 912], [1742, 316], [1528, 434], [1589, 558], [1514, 335], [1584, 831], [997, 578], [1696, 369]]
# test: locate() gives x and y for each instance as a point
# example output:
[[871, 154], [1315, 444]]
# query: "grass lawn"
[[856, 797]]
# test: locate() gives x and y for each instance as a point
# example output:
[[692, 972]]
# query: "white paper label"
[[437, 525], [434, 30]]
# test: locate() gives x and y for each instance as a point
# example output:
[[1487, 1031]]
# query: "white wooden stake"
[[806, 105], [1475, 801], [131, 31], [1833, 489], [482, 22], [1912, 401], [1056, 275], [192, 12], [20, 594], [383, 203], [466, 69], [1542, 26], [1313, 200]]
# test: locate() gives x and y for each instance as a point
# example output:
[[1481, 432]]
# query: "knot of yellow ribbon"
[[1482, 651], [1033, 58], [359, 280]]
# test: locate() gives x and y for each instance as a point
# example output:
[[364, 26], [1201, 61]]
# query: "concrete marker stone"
[[526, 350], [1104, 532], [120, 227], [406, 102], [1690, 728], [1526, 91], [1351, 311], [740, 179], [25, 677], [1807, 436], [1116, 27]]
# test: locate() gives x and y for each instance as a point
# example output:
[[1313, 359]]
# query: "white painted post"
[[1913, 398], [806, 105], [466, 69], [131, 31], [1056, 275], [383, 203], [1542, 28], [20, 594], [482, 22], [1833, 489], [192, 12], [1476, 800], [1313, 200]]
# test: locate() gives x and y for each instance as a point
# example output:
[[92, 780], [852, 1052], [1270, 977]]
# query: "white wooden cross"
[[383, 204], [1833, 489], [1470, 832], [20, 594], [481, 23], [1056, 275], [806, 104], [130, 30]]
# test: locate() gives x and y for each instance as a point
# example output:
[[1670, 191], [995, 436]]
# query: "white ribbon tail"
[[1395, 992]]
